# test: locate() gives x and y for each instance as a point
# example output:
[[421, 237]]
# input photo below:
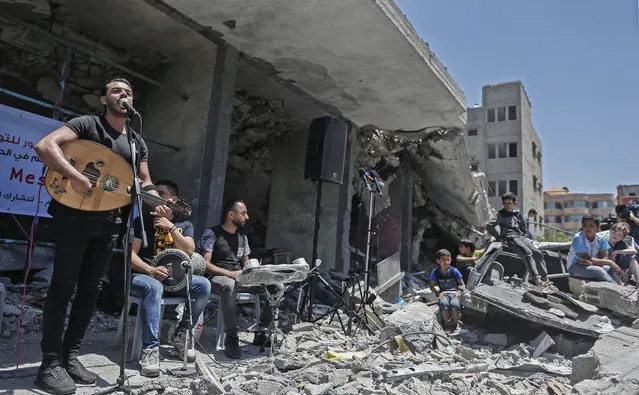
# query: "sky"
[[578, 61]]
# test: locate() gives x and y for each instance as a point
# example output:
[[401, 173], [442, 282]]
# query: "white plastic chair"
[[240, 298], [136, 348]]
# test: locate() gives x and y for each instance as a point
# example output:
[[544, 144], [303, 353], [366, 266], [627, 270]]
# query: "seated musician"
[[164, 230], [226, 250]]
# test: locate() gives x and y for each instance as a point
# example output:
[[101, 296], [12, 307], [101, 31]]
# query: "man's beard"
[[239, 224]]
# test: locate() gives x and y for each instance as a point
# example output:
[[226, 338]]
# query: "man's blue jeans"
[[150, 291], [598, 273]]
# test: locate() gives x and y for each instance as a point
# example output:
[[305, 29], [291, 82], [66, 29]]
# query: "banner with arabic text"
[[20, 168]]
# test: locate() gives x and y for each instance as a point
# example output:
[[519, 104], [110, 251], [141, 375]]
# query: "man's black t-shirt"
[[227, 249], [97, 128], [158, 239]]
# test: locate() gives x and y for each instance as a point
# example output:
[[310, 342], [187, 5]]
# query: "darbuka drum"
[[172, 260], [198, 264]]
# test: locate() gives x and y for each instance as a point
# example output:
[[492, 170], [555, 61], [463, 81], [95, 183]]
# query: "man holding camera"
[[628, 214]]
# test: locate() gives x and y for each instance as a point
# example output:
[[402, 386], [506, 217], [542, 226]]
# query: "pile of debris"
[[411, 355]]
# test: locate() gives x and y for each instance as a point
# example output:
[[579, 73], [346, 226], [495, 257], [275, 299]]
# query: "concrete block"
[[575, 285], [413, 318], [541, 344]]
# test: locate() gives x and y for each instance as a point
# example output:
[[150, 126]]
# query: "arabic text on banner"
[[20, 167]]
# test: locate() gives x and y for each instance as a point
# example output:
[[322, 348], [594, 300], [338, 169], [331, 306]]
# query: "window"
[[549, 205], [535, 183], [501, 114], [558, 205], [512, 113], [491, 151], [513, 186], [580, 203], [491, 189], [502, 149], [473, 166], [573, 218], [534, 150], [502, 187], [596, 205], [491, 115], [512, 150], [632, 194], [472, 132]]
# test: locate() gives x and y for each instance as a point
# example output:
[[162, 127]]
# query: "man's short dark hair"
[[468, 244], [508, 196], [172, 186], [230, 206], [532, 211], [441, 253], [589, 217], [116, 79]]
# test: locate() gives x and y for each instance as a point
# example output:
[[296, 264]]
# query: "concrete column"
[[342, 245], [182, 123], [214, 153], [406, 238]]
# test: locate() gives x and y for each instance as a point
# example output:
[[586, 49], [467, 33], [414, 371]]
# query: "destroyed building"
[[227, 101], [227, 94]]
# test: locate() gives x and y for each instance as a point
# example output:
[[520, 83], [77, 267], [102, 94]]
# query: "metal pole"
[[91, 55], [38, 102]]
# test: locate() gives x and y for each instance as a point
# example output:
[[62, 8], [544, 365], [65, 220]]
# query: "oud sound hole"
[[110, 183], [92, 173]]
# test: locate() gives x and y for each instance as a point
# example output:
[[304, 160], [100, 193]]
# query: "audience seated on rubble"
[[624, 252], [512, 232], [588, 255], [451, 285], [466, 260]]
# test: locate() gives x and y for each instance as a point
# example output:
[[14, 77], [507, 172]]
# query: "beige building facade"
[[564, 209]]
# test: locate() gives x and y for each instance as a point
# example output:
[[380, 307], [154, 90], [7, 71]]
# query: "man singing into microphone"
[[84, 240]]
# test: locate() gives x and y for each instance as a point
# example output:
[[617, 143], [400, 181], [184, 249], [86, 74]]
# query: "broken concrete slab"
[[509, 299], [614, 354], [616, 298]]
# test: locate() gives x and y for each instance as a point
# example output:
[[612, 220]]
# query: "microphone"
[[185, 265], [124, 102]]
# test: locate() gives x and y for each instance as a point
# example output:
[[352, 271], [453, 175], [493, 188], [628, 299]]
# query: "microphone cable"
[[30, 260]]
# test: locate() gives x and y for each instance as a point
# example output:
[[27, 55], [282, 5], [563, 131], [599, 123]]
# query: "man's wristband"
[[172, 229], [149, 187]]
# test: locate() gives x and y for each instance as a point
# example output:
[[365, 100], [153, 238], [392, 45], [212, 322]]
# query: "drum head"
[[172, 260]]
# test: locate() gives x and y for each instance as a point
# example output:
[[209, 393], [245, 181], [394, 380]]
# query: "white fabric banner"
[[20, 168]]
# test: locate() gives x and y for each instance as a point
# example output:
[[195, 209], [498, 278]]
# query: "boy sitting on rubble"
[[588, 255], [512, 231], [624, 252], [451, 284], [466, 259]]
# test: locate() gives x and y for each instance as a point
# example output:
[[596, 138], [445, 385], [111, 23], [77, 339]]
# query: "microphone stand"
[[136, 202], [185, 371]]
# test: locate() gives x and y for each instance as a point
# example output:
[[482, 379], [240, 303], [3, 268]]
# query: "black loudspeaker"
[[326, 150]]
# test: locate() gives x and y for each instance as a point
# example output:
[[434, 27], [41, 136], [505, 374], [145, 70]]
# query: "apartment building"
[[564, 209], [627, 194], [502, 143]]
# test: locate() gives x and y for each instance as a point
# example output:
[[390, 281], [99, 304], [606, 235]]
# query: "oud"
[[111, 177]]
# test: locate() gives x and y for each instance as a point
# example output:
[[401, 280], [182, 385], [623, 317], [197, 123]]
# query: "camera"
[[624, 210]]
